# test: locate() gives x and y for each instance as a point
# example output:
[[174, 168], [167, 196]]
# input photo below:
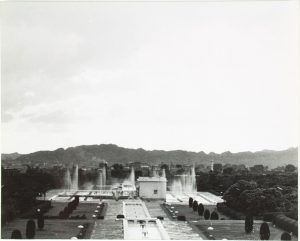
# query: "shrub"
[[214, 216], [286, 223], [286, 236], [181, 218], [200, 209], [41, 222], [61, 214], [206, 214], [195, 205], [30, 229], [16, 234], [76, 201], [264, 231], [191, 202], [248, 224], [160, 217]]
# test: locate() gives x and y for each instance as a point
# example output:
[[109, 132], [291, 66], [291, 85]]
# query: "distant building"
[[152, 187]]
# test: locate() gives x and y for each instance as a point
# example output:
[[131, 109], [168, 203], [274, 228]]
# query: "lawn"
[[53, 229], [234, 229]]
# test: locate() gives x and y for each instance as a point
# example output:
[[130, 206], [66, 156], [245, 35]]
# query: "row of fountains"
[[184, 183], [71, 183]]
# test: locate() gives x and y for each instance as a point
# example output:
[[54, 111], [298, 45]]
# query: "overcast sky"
[[206, 76]]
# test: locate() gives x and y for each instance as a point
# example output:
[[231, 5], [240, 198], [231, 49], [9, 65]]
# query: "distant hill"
[[92, 154], [11, 156]]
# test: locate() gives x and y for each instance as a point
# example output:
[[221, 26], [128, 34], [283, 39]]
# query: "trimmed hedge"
[[264, 231], [30, 229], [181, 218], [16, 234], [248, 224], [200, 209], [286, 236], [286, 223], [206, 214], [214, 216], [195, 206]]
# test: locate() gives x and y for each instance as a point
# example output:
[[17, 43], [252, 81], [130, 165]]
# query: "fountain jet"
[[74, 185], [67, 180], [132, 176], [185, 183]]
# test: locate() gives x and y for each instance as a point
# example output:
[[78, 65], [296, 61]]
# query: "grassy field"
[[53, 229], [234, 230]]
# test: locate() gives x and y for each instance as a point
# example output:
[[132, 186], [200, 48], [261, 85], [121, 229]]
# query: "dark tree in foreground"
[[41, 222], [200, 209], [16, 234], [286, 236], [191, 202], [264, 231], [214, 216], [248, 224], [206, 214], [195, 206], [30, 229]]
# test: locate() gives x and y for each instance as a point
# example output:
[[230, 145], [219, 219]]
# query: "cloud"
[[184, 75]]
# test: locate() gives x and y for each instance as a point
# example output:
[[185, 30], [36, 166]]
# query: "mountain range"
[[90, 155]]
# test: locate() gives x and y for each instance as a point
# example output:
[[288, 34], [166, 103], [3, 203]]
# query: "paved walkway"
[[177, 230]]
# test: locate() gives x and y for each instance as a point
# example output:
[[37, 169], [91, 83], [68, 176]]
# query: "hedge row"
[[286, 223], [69, 208]]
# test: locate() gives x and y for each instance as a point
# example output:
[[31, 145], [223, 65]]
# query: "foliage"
[[246, 197], [30, 229], [195, 205], [191, 202], [264, 231], [286, 223], [200, 209], [181, 218], [248, 223], [206, 214], [290, 168], [41, 222], [286, 236], [214, 215], [16, 234], [233, 192], [262, 200]]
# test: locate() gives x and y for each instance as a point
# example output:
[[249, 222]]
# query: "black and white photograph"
[[150, 120]]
